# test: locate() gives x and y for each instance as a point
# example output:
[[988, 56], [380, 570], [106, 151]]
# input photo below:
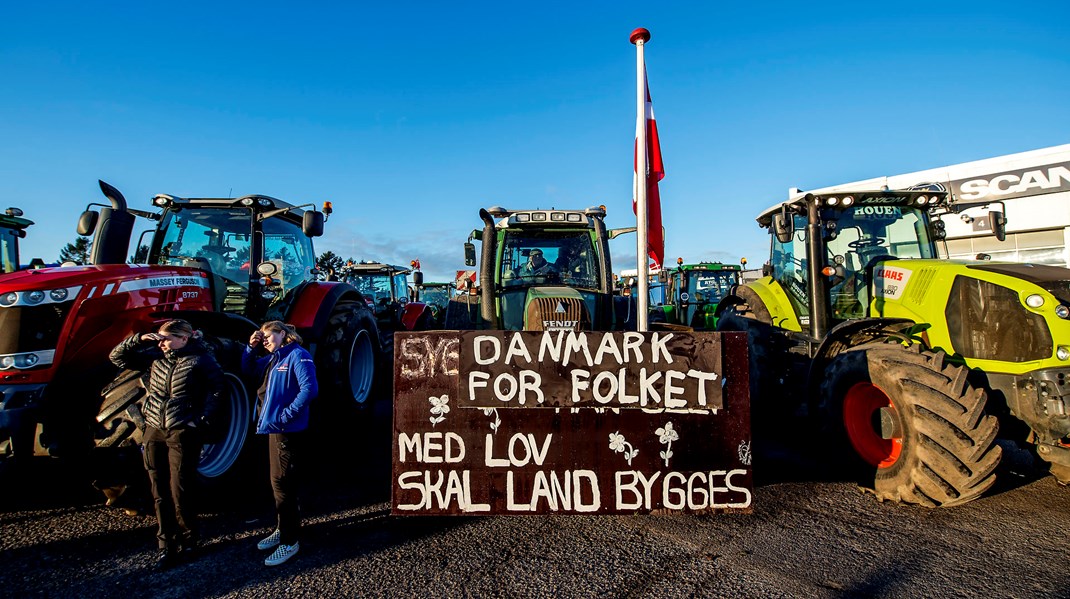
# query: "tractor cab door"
[[9, 249], [213, 240], [789, 263]]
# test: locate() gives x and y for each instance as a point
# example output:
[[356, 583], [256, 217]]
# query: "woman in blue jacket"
[[288, 387]]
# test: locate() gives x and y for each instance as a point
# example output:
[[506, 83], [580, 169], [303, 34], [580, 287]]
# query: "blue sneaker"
[[283, 553]]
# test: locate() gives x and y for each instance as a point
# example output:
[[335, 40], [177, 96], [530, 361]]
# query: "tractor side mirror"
[[663, 277], [87, 223], [417, 278], [312, 223], [997, 223], [469, 254], [783, 225]]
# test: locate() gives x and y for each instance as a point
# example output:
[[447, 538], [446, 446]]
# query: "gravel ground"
[[806, 537]]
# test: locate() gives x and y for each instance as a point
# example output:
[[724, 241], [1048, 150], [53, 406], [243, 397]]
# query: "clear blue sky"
[[411, 116]]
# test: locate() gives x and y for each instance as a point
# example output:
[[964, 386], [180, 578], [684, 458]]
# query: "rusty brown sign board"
[[514, 422]]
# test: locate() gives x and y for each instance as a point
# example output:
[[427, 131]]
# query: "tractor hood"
[[74, 276], [1038, 274], [556, 309]]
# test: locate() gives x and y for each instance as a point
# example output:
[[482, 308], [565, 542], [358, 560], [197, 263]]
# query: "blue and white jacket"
[[291, 387]]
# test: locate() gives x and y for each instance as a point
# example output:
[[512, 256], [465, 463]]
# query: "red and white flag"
[[655, 172]]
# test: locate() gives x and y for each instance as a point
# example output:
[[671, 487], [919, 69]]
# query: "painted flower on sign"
[[666, 435], [439, 408], [619, 445], [497, 421]]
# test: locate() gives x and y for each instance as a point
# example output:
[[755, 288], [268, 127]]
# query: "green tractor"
[[540, 270], [914, 363], [12, 228], [694, 292]]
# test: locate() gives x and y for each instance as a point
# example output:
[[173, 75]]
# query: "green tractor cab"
[[693, 293], [912, 361], [12, 228], [539, 270]]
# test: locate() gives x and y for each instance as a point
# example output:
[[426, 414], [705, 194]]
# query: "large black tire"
[[937, 447], [349, 354]]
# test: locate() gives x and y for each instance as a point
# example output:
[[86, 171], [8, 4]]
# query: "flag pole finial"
[[639, 35]]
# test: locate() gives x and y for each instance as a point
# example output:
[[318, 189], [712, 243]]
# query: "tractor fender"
[[311, 312], [766, 300], [219, 324], [744, 295], [847, 335], [411, 314]]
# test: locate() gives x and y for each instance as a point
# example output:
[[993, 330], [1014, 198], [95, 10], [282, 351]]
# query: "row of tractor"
[[857, 331]]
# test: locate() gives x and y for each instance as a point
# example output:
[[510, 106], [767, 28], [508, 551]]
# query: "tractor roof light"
[[523, 217], [161, 200], [934, 199], [1034, 300], [575, 217], [540, 216], [265, 202], [848, 200], [921, 200], [557, 216], [1063, 353], [1062, 311], [832, 201]]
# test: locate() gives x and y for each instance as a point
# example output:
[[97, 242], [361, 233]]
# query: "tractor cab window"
[[213, 240], [287, 246], [789, 268], [533, 258], [9, 250], [709, 286], [864, 234]]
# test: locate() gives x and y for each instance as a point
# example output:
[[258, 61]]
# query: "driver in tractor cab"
[[572, 263], [536, 266]]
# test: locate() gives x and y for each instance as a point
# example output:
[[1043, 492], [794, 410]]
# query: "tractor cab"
[[542, 270], [826, 249], [385, 288], [12, 228], [694, 291], [256, 249]]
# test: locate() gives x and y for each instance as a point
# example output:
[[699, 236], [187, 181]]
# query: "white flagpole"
[[639, 37]]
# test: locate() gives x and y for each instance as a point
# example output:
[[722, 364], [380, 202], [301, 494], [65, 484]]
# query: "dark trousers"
[[171, 458], [284, 449]]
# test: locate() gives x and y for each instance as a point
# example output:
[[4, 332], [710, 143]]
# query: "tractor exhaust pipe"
[[486, 272], [111, 230]]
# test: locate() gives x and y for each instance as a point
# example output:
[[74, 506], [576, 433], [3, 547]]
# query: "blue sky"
[[411, 116]]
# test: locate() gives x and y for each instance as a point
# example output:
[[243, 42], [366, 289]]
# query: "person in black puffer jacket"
[[182, 394]]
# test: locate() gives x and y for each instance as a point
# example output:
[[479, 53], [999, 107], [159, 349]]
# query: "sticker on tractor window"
[[889, 281]]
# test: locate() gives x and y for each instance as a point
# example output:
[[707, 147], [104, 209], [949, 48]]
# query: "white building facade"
[[1032, 189]]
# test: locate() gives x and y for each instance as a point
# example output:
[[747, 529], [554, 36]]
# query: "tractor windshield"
[[379, 288], [709, 286], [438, 295], [537, 258], [212, 239]]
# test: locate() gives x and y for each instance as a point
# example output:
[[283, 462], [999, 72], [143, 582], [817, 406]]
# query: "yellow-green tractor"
[[913, 362]]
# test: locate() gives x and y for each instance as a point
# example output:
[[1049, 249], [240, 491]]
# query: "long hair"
[[278, 326]]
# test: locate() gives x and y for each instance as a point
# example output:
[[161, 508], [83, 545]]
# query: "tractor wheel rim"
[[217, 458], [361, 366], [861, 408]]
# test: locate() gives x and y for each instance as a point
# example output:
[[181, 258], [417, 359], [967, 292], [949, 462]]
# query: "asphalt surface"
[[809, 535]]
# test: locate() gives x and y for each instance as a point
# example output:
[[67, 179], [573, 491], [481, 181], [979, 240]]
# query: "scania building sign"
[[1049, 178], [566, 422]]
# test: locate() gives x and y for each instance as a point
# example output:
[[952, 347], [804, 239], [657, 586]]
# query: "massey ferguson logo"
[[1011, 184]]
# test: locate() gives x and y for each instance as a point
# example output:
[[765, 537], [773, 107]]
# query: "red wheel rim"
[[860, 418]]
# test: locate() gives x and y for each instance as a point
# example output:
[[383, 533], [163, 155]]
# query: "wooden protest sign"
[[513, 422]]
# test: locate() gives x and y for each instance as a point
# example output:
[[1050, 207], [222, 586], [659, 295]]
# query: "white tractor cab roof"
[[920, 197], [542, 218]]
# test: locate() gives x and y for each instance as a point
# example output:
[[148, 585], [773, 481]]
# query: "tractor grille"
[[557, 314], [988, 322]]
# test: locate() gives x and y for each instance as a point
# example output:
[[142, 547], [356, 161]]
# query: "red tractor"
[[224, 264]]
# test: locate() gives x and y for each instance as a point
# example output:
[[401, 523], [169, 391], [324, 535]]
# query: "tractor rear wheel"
[[350, 353], [917, 426], [120, 422]]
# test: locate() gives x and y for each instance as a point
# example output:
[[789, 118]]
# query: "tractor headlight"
[[58, 295], [1062, 311], [9, 298], [7, 362], [1063, 353], [35, 297], [1035, 300]]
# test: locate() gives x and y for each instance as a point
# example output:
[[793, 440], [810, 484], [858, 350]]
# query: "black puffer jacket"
[[184, 386]]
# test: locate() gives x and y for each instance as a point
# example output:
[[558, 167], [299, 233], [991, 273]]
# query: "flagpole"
[[639, 37]]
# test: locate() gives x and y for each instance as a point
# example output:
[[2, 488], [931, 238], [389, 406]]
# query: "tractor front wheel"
[[915, 424]]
